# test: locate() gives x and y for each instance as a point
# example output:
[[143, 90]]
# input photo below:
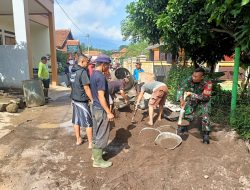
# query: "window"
[[1, 39], [7, 37], [10, 40]]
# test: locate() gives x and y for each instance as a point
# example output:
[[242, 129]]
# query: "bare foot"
[[150, 123], [159, 119], [90, 146]]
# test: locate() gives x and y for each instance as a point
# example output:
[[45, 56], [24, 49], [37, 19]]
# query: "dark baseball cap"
[[103, 59]]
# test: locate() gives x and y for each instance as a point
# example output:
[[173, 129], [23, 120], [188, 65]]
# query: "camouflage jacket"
[[201, 91]]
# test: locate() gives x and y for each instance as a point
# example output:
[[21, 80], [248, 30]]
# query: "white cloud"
[[91, 16]]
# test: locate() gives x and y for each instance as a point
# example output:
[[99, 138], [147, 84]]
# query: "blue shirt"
[[99, 82], [136, 73]]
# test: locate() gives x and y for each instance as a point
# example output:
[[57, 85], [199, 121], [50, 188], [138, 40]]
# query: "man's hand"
[[126, 102], [188, 94], [110, 116]]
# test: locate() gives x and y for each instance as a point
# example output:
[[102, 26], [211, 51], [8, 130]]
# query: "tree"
[[136, 49], [140, 24], [122, 46], [207, 30], [232, 17], [193, 32]]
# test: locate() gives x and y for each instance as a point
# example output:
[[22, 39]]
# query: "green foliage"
[[206, 29], [241, 123], [176, 75], [61, 57], [192, 32], [136, 49], [60, 68], [232, 17], [140, 24]]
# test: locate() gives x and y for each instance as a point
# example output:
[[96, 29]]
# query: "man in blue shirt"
[[101, 112], [137, 71]]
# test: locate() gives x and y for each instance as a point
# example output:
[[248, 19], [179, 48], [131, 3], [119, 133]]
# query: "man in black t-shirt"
[[80, 94], [101, 112]]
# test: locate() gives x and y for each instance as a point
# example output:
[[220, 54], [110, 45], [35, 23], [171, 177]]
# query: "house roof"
[[154, 46], [61, 37], [123, 50], [73, 42], [92, 53]]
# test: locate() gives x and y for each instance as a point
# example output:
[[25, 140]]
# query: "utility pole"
[[88, 43], [235, 83]]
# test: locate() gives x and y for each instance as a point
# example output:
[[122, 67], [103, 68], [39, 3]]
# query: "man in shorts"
[[101, 112], [43, 74], [81, 94], [158, 91]]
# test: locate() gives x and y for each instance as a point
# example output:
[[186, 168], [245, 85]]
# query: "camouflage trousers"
[[202, 110]]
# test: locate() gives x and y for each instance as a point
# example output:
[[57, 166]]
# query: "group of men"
[[92, 95]]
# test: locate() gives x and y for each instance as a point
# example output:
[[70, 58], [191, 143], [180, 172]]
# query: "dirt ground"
[[40, 153]]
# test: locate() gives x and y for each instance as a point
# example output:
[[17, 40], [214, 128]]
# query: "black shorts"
[[81, 114], [46, 83]]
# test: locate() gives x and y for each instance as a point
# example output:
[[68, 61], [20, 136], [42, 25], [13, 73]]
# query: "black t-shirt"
[[78, 79]]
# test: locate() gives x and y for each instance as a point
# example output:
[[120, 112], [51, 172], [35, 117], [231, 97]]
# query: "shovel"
[[133, 118]]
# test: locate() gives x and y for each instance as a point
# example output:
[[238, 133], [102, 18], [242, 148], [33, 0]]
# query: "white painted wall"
[[14, 60], [13, 66], [40, 42]]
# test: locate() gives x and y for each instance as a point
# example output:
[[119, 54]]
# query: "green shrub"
[[241, 123], [176, 75]]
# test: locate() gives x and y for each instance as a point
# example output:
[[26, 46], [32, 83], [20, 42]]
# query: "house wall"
[[39, 42], [13, 65], [156, 54], [14, 60]]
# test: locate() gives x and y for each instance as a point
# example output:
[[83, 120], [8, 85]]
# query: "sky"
[[100, 19]]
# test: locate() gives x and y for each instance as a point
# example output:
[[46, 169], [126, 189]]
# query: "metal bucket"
[[168, 135], [33, 93], [122, 73]]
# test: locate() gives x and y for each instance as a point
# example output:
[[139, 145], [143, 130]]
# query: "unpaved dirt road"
[[40, 154]]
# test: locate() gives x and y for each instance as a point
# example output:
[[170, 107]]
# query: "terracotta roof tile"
[[61, 37], [73, 42], [92, 53]]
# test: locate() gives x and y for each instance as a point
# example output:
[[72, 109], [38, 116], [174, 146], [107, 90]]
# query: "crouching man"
[[117, 86], [101, 112], [158, 91], [198, 92]]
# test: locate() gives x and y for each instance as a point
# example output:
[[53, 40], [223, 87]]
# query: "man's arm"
[[124, 96], [206, 94], [88, 92], [104, 104], [40, 68]]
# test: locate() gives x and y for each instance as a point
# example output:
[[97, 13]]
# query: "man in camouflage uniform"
[[198, 92]]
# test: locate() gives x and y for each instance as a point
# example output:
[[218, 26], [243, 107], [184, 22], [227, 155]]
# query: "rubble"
[[3, 107], [12, 108]]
